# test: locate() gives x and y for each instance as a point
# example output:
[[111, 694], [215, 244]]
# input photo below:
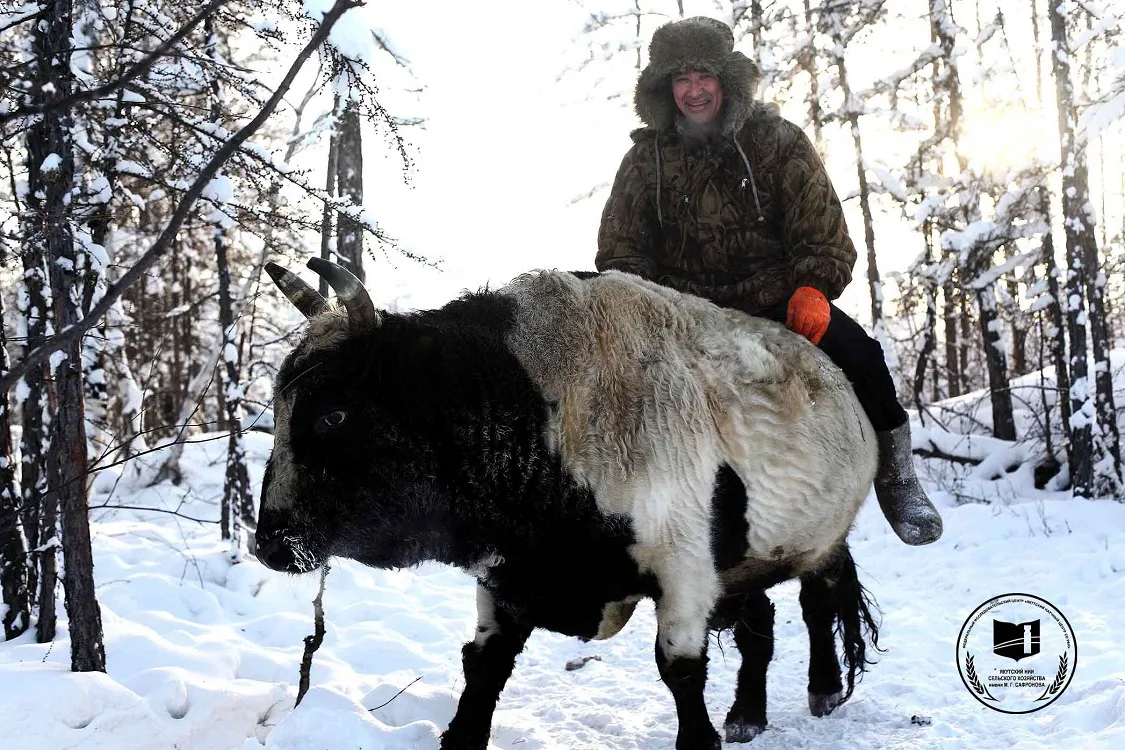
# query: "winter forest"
[[155, 155]]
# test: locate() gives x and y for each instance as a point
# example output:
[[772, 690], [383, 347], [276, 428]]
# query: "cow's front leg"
[[487, 660], [688, 592]]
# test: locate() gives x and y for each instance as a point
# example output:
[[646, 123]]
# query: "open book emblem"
[[1015, 640]]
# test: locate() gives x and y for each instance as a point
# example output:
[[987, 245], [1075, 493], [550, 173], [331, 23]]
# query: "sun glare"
[[1004, 139]]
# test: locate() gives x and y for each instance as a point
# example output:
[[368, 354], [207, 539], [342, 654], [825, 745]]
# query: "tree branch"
[[154, 510], [160, 246], [136, 71], [312, 642], [21, 19]]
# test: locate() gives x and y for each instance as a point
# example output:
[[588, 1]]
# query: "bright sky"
[[502, 153]]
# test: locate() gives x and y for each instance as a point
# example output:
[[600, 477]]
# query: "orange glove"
[[808, 313]]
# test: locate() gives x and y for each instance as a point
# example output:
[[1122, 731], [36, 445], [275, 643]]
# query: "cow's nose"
[[271, 551]]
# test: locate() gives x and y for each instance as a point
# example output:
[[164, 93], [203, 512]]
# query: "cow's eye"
[[331, 420]]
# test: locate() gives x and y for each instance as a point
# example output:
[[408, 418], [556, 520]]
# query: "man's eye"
[[332, 419]]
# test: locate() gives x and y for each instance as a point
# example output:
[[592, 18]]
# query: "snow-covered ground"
[[204, 654]]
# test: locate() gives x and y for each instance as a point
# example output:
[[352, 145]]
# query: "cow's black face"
[[354, 471]]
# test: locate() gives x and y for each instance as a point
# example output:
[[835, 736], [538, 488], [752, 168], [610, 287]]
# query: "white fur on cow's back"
[[655, 389]]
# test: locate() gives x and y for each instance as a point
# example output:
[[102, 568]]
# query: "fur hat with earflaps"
[[703, 44]]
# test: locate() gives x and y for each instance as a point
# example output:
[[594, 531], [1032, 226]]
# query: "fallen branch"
[[152, 510], [943, 456], [312, 642], [387, 702]]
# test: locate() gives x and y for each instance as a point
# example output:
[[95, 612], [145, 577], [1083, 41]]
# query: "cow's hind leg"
[[487, 660], [830, 595], [753, 635], [826, 691]]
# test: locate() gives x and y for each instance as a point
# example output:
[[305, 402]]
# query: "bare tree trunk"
[[756, 24], [809, 62], [1108, 468], [947, 87], [996, 359], [1056, 333], [1019, 330], [1044, 402], [1079, 233], [34, 440], [326, 244], [49, 144], [955, 376], [874, 283], [946, 80], [929, 332], [236, 484], [965, 307], [39, 506], [13, 546], [349, 178], [47, 557], [640, 45], [1038, 54]]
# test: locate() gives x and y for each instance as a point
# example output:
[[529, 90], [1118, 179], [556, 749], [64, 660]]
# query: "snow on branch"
[[135, 72], [1104, 24], [163, 242], [926, 57]]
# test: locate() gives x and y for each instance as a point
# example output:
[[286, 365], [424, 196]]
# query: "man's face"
[[699, 96]]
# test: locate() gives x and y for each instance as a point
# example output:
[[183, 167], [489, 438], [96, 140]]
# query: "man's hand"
[[808, 313]]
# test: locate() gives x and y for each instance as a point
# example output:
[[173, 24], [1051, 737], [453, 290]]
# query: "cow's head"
[[353, 470]]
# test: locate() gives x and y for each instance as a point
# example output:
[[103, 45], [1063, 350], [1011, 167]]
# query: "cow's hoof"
[[706, 741], [822, 705], [743, 731], [456, 741]]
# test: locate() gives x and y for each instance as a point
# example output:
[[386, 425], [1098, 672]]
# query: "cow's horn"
[[362, 315], [304, 297]]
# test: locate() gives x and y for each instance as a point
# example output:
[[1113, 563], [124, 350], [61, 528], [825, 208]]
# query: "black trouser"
[[861, 358]]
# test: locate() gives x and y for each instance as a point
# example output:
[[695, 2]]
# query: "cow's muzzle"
[[273, 551]]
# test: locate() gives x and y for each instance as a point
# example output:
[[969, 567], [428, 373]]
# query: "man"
[[722, 198]]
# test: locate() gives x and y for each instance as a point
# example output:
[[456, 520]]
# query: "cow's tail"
[[855, 623]]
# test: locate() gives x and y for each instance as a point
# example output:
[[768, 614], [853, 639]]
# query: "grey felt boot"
[[910, 513]]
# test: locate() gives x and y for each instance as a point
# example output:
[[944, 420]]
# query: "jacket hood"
[[704, 44]]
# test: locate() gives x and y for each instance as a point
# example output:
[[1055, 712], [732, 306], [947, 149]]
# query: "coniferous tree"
[[13, 546], [50, 154]]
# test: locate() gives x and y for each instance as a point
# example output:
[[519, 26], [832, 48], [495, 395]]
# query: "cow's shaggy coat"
[[580, 442]]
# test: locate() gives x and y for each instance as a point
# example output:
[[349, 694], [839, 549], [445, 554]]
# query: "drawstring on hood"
[[760, 217], [753, 184], [706, 45]]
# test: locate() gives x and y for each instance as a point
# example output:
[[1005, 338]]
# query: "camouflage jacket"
[[744, 233]]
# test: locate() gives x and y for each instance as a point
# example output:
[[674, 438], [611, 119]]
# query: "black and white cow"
[[579, 442]]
